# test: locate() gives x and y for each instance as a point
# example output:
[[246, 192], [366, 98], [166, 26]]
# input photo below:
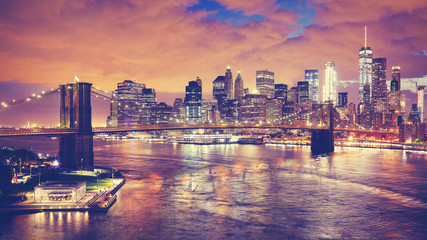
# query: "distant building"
[[395, 81], [394, 97], [253, 109], [209, 109], [163, 114], [126, 104], [303, 91], [229, 83], [414, 116], [280, 91], [148, 105], [331, 83], [178, 110], [239, 91], [293, 95], [193, 102], [365, 68], [219, 92], [420, 102], [312, 76], [379, 85], [230, 113], [342, 99], [265, 83], [274, 109]]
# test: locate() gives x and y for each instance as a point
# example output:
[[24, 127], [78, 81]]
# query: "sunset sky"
[[167, 43]]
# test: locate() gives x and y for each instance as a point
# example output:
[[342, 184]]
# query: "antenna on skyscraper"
[[366, 36]]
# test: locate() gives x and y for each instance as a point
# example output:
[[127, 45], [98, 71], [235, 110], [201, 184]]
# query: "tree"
[[6, 175]]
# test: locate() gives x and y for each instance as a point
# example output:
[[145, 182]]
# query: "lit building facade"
[[193, 102], [420, 102], [178, 110], [230, 113], [219, 92], [148, 105], [229, 83], [280, 91], [239, 91], [274, 111], [312, 76], [126, 104], [253, 109], [342, 99], [331, 83], [379, 85], [265, 83], [304, 91], [365, 67]]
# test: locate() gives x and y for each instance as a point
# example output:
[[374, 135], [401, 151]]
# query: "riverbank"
[[95, 200]]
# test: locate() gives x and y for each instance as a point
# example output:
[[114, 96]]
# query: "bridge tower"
[[322, 140], [76, 150]]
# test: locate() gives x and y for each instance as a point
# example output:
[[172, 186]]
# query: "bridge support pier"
[[322, 141], [76, 151]]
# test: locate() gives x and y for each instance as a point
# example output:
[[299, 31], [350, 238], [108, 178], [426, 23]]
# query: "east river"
[[243, 192]]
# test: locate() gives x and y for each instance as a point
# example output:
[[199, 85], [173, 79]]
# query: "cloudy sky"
[[167, 43]]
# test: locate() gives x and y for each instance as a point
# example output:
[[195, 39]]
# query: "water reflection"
[[250, 192]]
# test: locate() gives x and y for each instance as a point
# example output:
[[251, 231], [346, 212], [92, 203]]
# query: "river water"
[[243, 192]]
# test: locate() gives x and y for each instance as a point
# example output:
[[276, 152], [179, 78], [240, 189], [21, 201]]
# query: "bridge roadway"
[[12, 132]]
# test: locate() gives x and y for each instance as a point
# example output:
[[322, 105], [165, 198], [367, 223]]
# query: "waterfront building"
[[379, 85], [229, 83], [178, 110], [230, 113], [342, 99], [148, 105], [414, 115], [303, 91], [331, 83], [253, 109], [420, 102], [59, 192], [265, 83], [274, 109], [312, 76], [281, 91], [239, 91], [365, 67], [193, 102], [209, 109], [126, 104]]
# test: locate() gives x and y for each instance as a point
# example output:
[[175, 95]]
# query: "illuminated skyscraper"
[[394, 95], [331, 83], [229, 83], [379, 85], [238, 87], [312, 76], [365, 67], [420, 102], [265, 83], [303, 91], [193, 102]]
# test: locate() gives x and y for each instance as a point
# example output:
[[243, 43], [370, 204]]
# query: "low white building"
[[55, 192]]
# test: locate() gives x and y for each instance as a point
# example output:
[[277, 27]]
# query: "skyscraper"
[[395, 81], [229, 83], [219, 92], [238, 87], [303, 89], [126, 104], [331, 83], [312, 76], [265, 83], [148, 105], [420, 102], [193, 102], [379, 85], [342, 99], [365, 67], [394, 95], [280, 91]]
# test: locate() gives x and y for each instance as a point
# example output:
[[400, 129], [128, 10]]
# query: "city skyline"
[[53, 42]]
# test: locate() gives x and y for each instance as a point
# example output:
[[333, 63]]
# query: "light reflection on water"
[[247, 192]]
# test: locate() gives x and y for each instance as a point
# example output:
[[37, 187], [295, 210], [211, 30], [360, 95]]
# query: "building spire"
[[366, 36]]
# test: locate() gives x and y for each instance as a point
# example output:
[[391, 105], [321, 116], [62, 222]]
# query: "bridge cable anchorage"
[[43, 94]]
